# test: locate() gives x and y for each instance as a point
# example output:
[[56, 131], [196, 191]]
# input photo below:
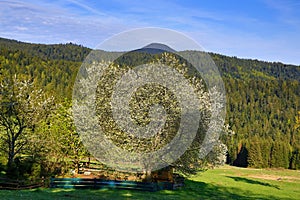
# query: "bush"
[[24, 168]]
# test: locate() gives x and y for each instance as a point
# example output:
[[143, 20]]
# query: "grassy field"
[[223, 183]]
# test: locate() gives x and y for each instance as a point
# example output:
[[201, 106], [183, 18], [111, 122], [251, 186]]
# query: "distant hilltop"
[[159, 46], [155, 48]]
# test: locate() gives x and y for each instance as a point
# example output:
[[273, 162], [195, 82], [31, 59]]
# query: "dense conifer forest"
[[263, 100]]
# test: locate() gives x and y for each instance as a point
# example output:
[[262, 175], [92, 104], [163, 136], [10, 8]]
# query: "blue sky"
[[263, 29]]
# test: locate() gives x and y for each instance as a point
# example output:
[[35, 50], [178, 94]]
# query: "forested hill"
[[263, 98], [69, 52], [229, 66], [254, 69]]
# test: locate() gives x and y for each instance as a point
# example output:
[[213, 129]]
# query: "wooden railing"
[[10, 184], [81, 183], [86, 183]]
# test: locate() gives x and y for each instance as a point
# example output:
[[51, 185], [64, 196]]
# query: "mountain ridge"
[[6, 42]]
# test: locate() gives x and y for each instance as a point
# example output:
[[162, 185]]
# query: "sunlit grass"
[[222, 183]]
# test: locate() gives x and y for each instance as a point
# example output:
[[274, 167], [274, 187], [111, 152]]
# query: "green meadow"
[[222, 183]]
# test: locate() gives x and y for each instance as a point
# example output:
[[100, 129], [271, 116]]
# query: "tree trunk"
[[11, 153], [147, 176], [11, 159]]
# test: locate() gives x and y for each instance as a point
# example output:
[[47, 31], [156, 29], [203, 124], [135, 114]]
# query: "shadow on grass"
[[192, 190], [250, 181], [203, 190]]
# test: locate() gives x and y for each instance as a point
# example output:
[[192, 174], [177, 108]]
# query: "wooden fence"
[[86, 183], [82, 183], [9, 184]]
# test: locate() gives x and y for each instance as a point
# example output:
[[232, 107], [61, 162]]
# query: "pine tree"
[[255, 158]]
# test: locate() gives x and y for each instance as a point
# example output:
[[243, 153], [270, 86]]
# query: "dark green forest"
[[263, 100]]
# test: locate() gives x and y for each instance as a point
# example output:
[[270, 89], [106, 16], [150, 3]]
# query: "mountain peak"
[[159, 46]]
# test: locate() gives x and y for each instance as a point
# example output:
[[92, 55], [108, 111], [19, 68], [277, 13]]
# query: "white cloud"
[[53, 24], [21, 28]]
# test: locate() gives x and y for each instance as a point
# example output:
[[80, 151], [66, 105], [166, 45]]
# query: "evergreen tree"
[[255, 158]]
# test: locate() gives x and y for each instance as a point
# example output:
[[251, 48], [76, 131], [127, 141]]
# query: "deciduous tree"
[[22, 108]]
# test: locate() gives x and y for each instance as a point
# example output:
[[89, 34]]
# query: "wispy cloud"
[[53, 24], [266, 29], [288, 11], [88, 8]]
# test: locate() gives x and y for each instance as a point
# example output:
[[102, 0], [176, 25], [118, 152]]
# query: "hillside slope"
[[263, 98]]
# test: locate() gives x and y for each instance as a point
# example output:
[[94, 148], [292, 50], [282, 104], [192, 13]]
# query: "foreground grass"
[[222, 183]]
